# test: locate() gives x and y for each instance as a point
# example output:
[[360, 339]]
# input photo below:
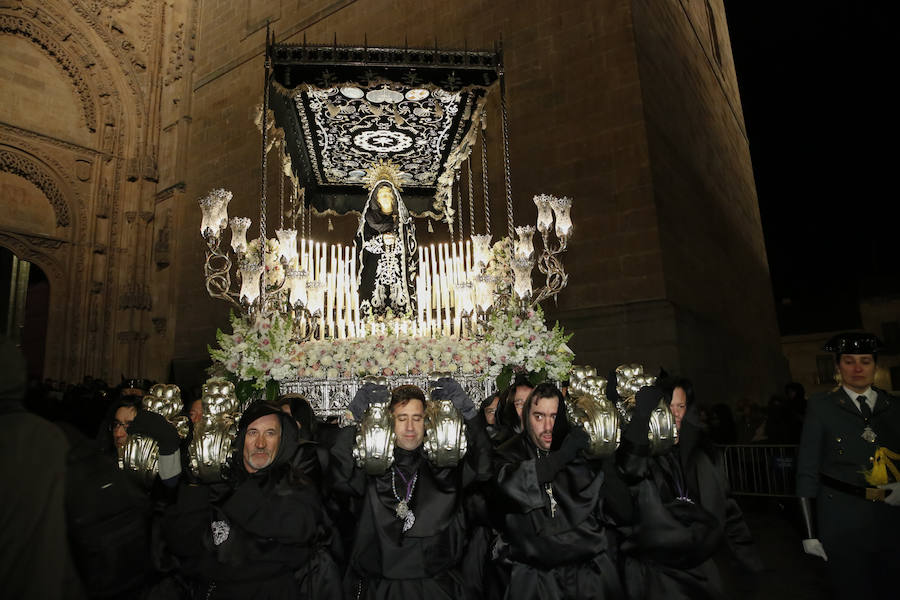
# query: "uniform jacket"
[[832, 444], [832, 439]]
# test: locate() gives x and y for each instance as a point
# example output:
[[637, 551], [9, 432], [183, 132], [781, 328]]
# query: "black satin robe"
[[668, 548], [561, 556], [425, 561], [277, 537]]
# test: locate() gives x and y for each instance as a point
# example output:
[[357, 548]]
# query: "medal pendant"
[[869, 435], [402, 509], [409, 521], [552, 501]]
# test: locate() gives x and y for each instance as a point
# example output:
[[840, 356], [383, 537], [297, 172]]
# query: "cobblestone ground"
[[790, 574]]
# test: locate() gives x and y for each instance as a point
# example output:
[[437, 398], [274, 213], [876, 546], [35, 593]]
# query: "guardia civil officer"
[[848, 435]]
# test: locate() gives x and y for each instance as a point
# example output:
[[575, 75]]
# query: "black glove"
[[156, 426], [366, 395], [447, 388], [546, 468], [646, 399], [612, 393]]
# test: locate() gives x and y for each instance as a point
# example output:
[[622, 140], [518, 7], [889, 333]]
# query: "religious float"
[[388, 134]]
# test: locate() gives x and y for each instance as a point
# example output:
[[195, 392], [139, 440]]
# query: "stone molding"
[[22, 27], [31, 171]]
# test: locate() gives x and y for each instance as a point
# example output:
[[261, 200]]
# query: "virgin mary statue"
[[386, 250]]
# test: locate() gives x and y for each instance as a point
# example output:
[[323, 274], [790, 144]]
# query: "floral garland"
[[522, 344], [261, 350]]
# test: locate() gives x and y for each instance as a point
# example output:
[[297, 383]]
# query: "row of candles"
[[453, 289]]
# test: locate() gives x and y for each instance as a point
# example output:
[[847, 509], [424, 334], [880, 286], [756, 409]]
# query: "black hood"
[[560, 427], [287, 447]]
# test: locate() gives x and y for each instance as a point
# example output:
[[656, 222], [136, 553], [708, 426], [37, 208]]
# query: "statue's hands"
[[893, 493], [814, 547], [447, 388], [366, 395]]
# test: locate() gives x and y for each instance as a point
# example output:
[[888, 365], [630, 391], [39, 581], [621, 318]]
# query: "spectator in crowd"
[[34, 550]]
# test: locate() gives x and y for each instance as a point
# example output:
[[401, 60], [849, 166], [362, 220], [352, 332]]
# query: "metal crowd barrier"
[[761, 470]]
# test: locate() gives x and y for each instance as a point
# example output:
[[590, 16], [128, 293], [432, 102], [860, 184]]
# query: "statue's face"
[[385, 199]]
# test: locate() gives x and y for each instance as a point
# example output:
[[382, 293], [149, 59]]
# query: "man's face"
[[520, 397], [678, 406], [409, 424], [196, 412], [385, 199], [121, 421], [541, 420], [857, 371], [261, 442], [490, 411]]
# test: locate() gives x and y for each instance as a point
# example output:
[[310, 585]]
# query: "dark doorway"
[[24, 308]]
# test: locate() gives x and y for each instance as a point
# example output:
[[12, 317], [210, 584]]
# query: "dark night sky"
[[815, 81]]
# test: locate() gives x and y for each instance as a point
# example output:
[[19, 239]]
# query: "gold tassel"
[[430, 228], [881, 464], [330, 225]]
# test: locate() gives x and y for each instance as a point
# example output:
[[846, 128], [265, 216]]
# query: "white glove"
[[893, 497], [814, 547]]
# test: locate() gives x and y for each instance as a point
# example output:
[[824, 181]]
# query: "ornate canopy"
[[344, 108]]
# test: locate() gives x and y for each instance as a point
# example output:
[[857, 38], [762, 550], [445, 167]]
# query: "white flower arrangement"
[[262, 350], [521, 343], [257, 350]]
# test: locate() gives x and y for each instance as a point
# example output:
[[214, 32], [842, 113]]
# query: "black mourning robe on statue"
[[425, 561], [552, 554]]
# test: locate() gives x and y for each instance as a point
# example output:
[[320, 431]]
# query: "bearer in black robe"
[[551, 501], [262, 534], [412, 530]]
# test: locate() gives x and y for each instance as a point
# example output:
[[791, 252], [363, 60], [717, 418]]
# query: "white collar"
[[870, 394]]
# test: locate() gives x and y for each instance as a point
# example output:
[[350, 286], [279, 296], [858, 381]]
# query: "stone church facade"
[[119, 114]]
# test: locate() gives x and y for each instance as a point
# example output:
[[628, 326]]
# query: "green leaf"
[[504, 378], [272, 390]]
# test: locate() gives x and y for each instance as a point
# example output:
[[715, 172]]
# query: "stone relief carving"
[[161, 253], [20, 165], [180, 53], [22, 246], [137, 296], [83, 169], [24, 28], [159, 324]]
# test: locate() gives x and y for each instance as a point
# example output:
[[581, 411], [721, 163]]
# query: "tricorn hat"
[[854, 343]]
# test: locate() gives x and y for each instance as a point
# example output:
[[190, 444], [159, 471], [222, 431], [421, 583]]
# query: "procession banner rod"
[[510, 224]]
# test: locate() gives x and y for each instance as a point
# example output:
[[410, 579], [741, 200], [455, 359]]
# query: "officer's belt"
[[868, 493]]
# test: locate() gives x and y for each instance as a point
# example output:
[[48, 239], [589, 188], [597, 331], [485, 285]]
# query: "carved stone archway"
[[42, 252]]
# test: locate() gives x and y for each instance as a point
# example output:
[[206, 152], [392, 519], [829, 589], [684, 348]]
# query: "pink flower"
[[238, 339], [388, 371], [532, 337], [265, 342]]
